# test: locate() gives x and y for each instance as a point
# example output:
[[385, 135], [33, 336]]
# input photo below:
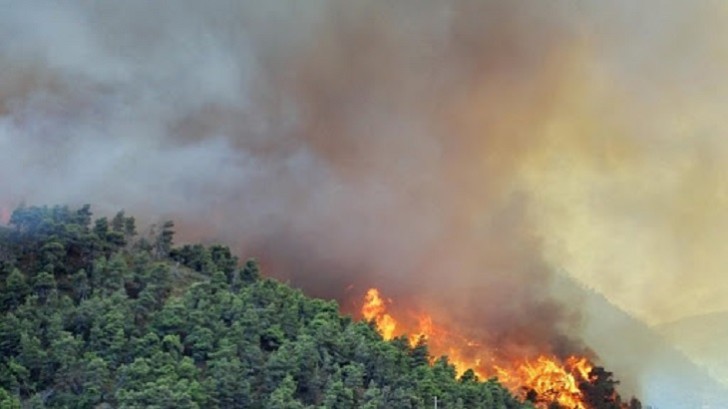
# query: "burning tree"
[[549, 382]]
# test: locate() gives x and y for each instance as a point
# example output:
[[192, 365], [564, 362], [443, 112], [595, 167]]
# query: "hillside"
[[703, 338], [97, 316], [649, 364]]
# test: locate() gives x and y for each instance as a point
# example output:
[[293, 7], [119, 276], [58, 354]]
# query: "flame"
[[548, 380], [375, 310], [543, 380]]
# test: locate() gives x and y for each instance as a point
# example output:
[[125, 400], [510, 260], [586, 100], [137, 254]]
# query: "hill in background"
[[703, 338], [666, 366]]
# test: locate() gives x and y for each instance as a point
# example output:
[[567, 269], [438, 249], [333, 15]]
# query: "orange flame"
[[375, 310], [549, 380], [544, 380]]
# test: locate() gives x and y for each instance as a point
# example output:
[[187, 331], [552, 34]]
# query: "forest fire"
[[546, 380]]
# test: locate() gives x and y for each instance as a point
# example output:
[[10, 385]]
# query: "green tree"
[[43, 285], [227, 383], [96, 380], [373, 398], [338, 395], [164, 240], [250, 272], [80, 285], [16, 288], [283, 396], [93, 319], [8, 401]]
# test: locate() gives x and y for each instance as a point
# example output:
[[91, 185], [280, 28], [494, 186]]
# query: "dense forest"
[[95, 315]]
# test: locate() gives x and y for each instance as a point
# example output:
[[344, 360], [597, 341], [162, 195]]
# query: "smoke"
[[453, 153]]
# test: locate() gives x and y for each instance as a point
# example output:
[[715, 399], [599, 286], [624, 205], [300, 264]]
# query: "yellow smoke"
[[629, 181]]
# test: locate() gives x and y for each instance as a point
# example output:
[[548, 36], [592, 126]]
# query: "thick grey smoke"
[[452, 153], [327, 134]]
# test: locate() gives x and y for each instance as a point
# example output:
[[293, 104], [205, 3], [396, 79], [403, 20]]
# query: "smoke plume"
[[454, 154]]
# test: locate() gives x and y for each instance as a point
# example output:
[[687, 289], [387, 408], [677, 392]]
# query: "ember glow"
[[544, 380]]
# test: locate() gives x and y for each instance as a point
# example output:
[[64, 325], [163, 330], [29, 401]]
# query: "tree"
[[43, 284], [83, 216], [80, 284], [227, 383], [283, 396], [338, 395], [118, 222], [373, 398], [163, 242], [95, 381], [223, 259], [599, 391], [101, 228], [52, 255], [16, 288], [251, 272], [8, 401], [129, 227], [419, 353], [92, 320]]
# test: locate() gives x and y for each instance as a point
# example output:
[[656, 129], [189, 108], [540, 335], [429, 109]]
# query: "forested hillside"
[[95, 315]]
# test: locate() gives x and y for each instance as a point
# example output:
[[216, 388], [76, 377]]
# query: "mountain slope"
[[649, 365], [704, 339], [95, 317]]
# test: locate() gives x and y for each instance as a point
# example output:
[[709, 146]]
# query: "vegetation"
[[95, 316]]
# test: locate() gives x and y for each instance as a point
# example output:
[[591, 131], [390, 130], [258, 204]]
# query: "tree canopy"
[[95, 315]]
